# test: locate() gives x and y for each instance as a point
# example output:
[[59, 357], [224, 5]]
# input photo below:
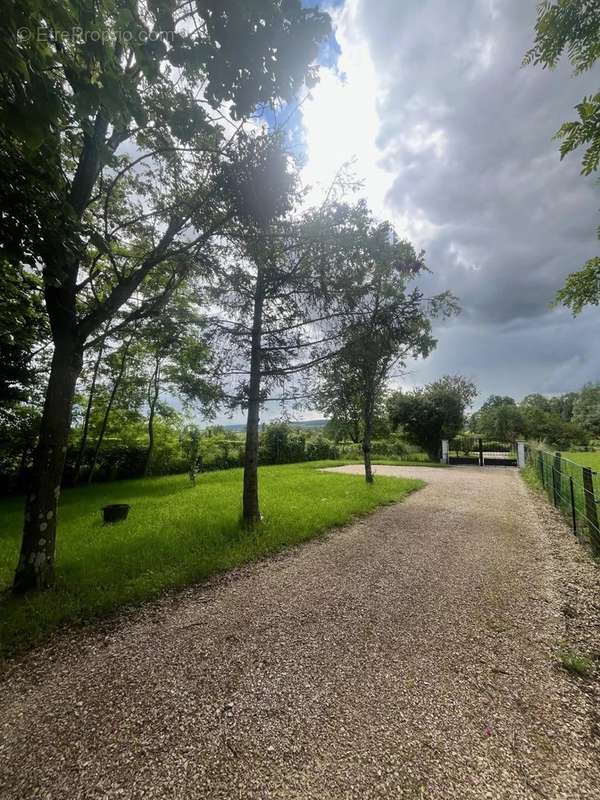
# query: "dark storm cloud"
[[467, 133]]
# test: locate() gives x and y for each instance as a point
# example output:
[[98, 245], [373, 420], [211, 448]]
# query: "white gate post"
[[445, 452], [521, 454]]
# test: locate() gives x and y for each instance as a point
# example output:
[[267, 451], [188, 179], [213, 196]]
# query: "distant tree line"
[[571, 419], [419, 418]]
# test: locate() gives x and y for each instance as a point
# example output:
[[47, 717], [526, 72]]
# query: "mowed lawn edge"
[[176, 535]]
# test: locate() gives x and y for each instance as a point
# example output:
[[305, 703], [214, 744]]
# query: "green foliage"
[[124, 446], [174, 344], [127, 166], [190, 444], [19, 425], [585, 131], [563, 405], [573, 26], [113, 172], [175, 535], [22, 327], [319, 448], [432, 413], [340, 396], [576, 663], [281, 444], [499, 418], [245, 53], [586, 459], [384, 323], [220, 449], [586, 409], [582, 288], [392, 447], [536, 417]]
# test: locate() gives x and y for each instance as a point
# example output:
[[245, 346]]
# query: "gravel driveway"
[[412, 654]]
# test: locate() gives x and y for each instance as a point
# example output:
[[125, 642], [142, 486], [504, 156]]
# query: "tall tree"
[[339, 397], [110, 170], [573, 26], [500, 418], [432, 413], [384, 322], [181, 360], [120, 361], [263, 292], [586, 409], [277, 298]]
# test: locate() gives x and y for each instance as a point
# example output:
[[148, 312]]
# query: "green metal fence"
[[572, 488]]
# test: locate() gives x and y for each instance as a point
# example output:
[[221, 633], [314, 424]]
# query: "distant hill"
[[303, 424]]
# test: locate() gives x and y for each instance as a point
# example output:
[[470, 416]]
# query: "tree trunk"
[[88, 413], [36, 561], [250, 506], [35, 569], [154, 382], [109, 406], [367, 436]]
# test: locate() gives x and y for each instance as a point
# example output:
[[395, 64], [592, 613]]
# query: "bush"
[[386, 448], [281, 444], [114, 462], [318, 448], [218, 451]]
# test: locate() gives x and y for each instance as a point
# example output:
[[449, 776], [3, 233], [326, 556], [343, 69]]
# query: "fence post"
[[521, 455], [556, 478], [445, 451], [591, 510], [541, 463], [573, 507], [481, 452]]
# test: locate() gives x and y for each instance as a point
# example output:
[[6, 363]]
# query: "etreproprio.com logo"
[[82, 36]]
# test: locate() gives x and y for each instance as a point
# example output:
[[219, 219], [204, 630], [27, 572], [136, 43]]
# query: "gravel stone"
[[412, 654]]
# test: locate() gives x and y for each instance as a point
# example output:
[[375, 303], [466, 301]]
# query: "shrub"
[[281, 444], [318, 448]]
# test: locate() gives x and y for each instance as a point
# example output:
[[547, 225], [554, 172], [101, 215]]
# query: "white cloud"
[[341, 121], [453, 138]]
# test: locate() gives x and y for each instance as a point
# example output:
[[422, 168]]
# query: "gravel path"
[[412, 654]]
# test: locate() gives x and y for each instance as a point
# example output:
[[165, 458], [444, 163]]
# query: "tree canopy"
[[573, 27], [432, 413], [117, 122]]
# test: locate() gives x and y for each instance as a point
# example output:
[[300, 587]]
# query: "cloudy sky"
[[453, 138]]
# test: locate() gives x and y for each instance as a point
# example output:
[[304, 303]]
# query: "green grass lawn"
[[175, 535], [591, 460], [571, 466], [585, 459]]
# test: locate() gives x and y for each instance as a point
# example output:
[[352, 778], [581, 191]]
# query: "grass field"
[[585, 459], [591, 460], [175, 535], [571, 466]]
